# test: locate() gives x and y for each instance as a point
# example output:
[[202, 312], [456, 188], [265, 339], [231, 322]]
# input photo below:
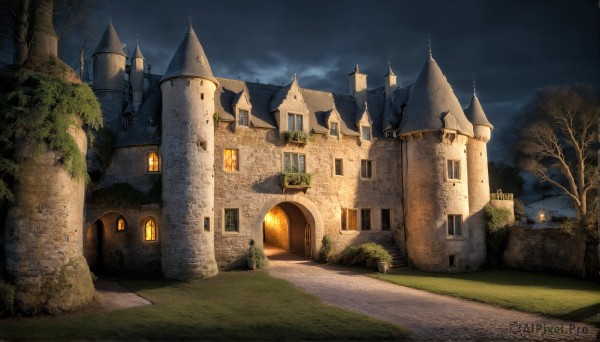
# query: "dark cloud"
[[512, 46]]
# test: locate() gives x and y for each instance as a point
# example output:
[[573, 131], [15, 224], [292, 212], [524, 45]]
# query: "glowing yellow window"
[[230, 158], [152, 162], [150, 230], [121, 224]]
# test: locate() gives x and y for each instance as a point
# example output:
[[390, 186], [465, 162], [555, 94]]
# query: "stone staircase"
[[398, 261]]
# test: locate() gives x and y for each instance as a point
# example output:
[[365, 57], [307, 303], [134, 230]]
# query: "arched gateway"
[[292, 223]]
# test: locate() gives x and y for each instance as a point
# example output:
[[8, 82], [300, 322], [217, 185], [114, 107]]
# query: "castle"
[[282, 165]]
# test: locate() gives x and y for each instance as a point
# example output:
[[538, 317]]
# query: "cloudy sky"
[[511, 46]]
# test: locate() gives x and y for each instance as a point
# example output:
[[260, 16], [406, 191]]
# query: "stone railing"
[[500, 196]]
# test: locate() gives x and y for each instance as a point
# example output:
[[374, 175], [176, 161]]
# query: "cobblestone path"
[[431, 317]]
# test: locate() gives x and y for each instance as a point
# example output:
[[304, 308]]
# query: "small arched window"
[[152, 162], [150, 230], [121, 224]]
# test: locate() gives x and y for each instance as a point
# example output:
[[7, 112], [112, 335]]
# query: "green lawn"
[[232, 306], [563, 297]]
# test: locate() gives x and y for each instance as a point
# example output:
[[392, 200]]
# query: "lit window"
[[454, 225], [150, 230], [230, 160], [365, 219], [243, 118], [453, 169], [339, 167], [333, 129], [294, 163], [366, 168], [232, 220], [152, 162], [294, 122], [121, 224], [349, 219], [386, 219], [366, 133]]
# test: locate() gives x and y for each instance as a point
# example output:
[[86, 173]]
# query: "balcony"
[[295, 181], [296, 137]]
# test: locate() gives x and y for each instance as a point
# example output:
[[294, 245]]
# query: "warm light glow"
[[120, 224], [269, 218], [230, 160], [152, 162], [542, 215], [150, 230]]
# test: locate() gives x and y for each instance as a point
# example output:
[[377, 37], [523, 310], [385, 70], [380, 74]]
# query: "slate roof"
[[110, 42], [475, 113], [189, 60], [137, 53], [430, 100]]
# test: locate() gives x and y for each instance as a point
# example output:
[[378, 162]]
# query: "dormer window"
[[333, 129], [366, 133], [243, 118], [295, 122]]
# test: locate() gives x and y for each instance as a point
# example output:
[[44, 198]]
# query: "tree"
[[559, 145]]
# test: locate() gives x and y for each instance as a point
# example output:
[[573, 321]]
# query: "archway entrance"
[[285, 226], [93, 245]]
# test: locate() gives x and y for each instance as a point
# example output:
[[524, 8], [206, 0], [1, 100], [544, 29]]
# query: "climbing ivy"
[[39, 109]]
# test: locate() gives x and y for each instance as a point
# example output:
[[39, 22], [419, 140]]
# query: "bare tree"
[[559, 147]]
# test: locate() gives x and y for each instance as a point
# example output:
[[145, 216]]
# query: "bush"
[[367, 255], [325, 252], [496, 233], [519, 209], [258, 254], [7, 298]]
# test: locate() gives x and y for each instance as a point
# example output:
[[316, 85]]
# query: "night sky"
[[512, 47]]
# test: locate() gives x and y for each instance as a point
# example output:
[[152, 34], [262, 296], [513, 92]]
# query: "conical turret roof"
[[390, 72], [475, 113], [110, 42], [137, 53], [189, 60], [431, 100]]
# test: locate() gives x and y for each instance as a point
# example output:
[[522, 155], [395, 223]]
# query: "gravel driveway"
[[429, 316]]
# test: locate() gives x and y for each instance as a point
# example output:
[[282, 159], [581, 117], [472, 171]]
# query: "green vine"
[[40, 109]]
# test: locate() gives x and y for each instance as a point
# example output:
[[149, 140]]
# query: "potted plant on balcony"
[[298, 137]]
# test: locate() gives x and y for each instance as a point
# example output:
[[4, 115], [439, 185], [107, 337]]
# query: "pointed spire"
[[189, 60], [474, 91], [110, 42], [356, 69], [390, 72], [475, 113], [137, 53], [429, 47], [294, 78]]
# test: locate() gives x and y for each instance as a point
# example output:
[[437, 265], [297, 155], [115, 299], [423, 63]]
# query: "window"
[[294, 122], [207, 224], [294, 163], [339, 167], [230, 160], [150, 230], [243, 118], [365, 219], [386, 219], [333, 129], [201, 96], [366, 132], [454, 225], [232, 220], [366, 168], [453, 169], [152, 162], [349, 219], [451, 260], [121, 224]]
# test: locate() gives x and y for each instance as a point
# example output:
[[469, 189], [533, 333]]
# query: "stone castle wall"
[[479, 196], [109, 79], [130, 165]]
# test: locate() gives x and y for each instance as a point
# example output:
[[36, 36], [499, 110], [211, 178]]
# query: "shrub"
[[519, 209], [258, 254], [367, 255], [325, 252], [7, 298], [297, 136], [496, 222]]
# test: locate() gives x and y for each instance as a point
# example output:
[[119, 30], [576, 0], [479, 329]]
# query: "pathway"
[[431, 317]]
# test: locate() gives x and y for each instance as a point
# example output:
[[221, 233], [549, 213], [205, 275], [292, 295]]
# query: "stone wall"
[[479, 196], [505, 204], [545, 250], [255, 188], [130, 165]]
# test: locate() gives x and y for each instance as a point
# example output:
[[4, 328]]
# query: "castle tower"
[[109, 76], [435, 131], [358, 86], [188, 89], [137, 77], [479, 184], [390, 83]]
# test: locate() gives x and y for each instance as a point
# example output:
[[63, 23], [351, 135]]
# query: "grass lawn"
[[232, 306], [567, 298]]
